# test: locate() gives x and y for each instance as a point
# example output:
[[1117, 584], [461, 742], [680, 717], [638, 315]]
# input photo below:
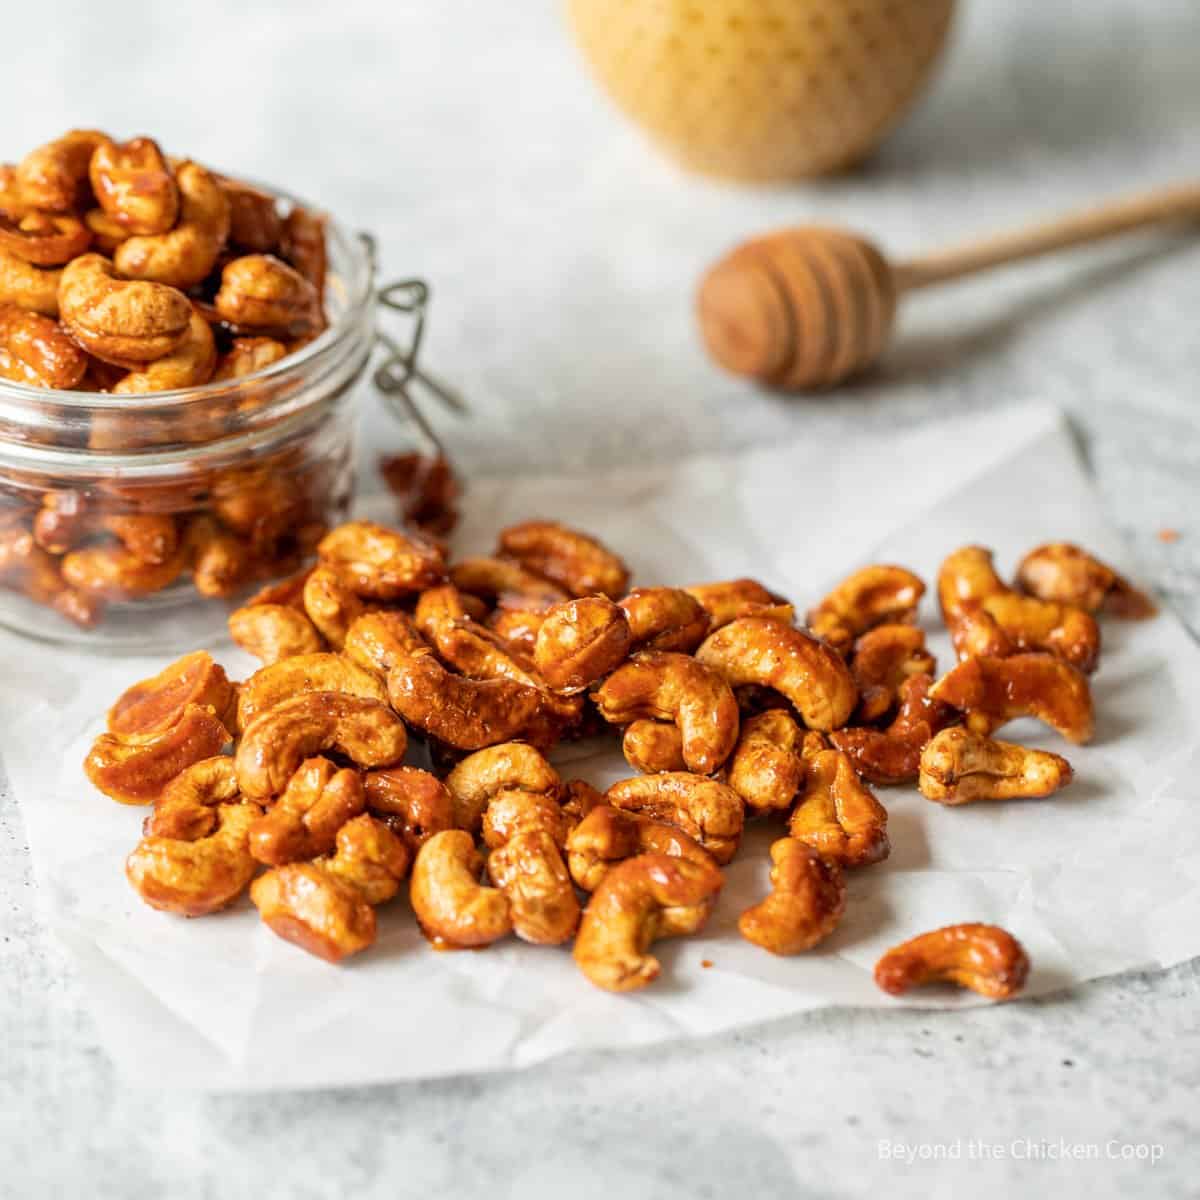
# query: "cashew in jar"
[[133, 185], [189, 364], [35, 351], [259, 292]]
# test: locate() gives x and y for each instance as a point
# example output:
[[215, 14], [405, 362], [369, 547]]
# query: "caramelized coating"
[[518, 627], [579, 642], [730, 599], [959, 766], [186, 254], [29, 287], [187, 808], [804, 906], [838, 815], [580, 799], [875, 595], [113, 572], [44, 239], [117, 319], [453, 908], [189, 364], [651, 746], [412, 803], [365, 731], [304, 822], [301, 674], [993, 691], [35, 351], [758, 650], [508, 584], [107, 234], [272, 632], [883, 659], [574, 560], [1064, 573], [370, 858], [302, 243], [261, 292], [53, 176], [767, 767], [134, 768], [254, 221], [606, 836], [306, 905], [248, 355], [160, 701], [331, 605], [665, 618], [377, 641], [380, 563], [984, 958], [665, 686], [134, 186], [478, 778], [641, 899], [708, 811]]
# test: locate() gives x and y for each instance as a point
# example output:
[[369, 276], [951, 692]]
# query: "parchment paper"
[[1102, 878]]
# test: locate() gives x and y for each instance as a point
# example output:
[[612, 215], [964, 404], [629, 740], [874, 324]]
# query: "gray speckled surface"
[[562, 252]]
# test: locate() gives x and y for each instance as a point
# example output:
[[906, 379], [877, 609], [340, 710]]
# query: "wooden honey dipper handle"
[[807, 307]]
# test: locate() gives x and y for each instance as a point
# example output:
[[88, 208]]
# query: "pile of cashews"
[[729, 710]]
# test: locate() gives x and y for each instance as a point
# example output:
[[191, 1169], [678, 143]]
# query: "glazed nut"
[[248, 355], [990, 692], [652, 746], [29, 287], [254, 221], [958, 767], [331, 605], [35, 351], [412, 803], [260, 292], [579, 642], [190, 363], [302, 243], [804, 669], [664, 618], [160, 701], [838, 815], [767, 766], [27, 568], [730, 599], [804, 906], [65, 519], [377, 641], [111, 571], [381, 563], [44, 239], [452, 907], [271, 632], [303, 823], [875, 595], [511, 767], [133, 185], [508, 584], [53, 176], [574, 560], [642, 899], [1066, 574], [882, 660], [706, 810], [369, 858], [298, 675], [365, 731], [984, 958]]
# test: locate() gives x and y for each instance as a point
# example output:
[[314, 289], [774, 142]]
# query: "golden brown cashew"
[[509, 584], [704, 809], [186, 254], [331, 605], [112, 571], [272, 632], [53, 176], [304, 822], [66, 519], [248, 355], [27, 286], [134, 186], [767, 766], [993, 691], [514, 766], [107, 234], [875, 595], [377, 641], [838, 815], [574, 560], [160, 701], [44, 239], [301, 674], [958, 767], [120, 320], [984, 958], [189, 364], [453, 908], [730, 599], [35, 351], [261, 292], [302, 243], [652, 746], [607, 835], [380, 563], [675, 687], [664, 618], [640, 900], [187, 808], [369, 858], [518, 627], [1066, 574], [365, 731], [804, 906], [804, 669], [579, 642], [412, 803], [134, 768], [883, 659]]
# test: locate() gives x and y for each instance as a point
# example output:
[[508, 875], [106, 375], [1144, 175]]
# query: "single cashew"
[[35, 351], [453, 908], [160, 701], [187, 808], [958, 767], [303, 673], [513, 766], [53, 176], [133, 185], [412, 803], [303, 823], [874, 595], [255, 225], [984, 958], [331, 605], [189, 364], [29, 287], [370, 858], [706, 810], [27, 568], [377, 641], [734, 598], [272, 632], [44, 239], [246, 356], [573, 560], [1065, 574], [664, 618], [652, 746], [675, 687], [134, 768], [302, 243], [380, 563], [838, 815], [606, 836], [883, 659], [261, 292], [579, 642], [186, 254], [767, 766], [804, 669], [641, 899], [111, 571], [805, 904], [120, 320], [363, 730], [993, 691], [509, 584]]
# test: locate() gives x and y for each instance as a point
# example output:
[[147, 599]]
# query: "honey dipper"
[[807, 307]]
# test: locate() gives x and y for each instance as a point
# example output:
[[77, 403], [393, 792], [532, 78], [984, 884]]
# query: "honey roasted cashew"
[[579, 798], [706, 810], [53, 176], [380, 563], [255, 225], [838, 815], [511, 767], [990, 692], [134, 186], [247, 356], [641, 899], [805, 904], [66, 518], [412, 803], [44, 239], [160, 701], [260, 292], [288, 591], [882, 660], [188, 364], [303, 823], [302, 243], [113, 572], [37, 352], [664, 618], [730, 599], [186, 254], [121, 320], [506, 583], [453, 909], [27, 568], [107, 234], [365, 731], [518, 627], [32, 288], [606, 836], [187, 808], [369, 858], [331, 605], [768, 763], [572, 559], [984, 958], [377, 641], [272, 632], [875, 595], [1064, 573], [301, 674], [804, 669], [958, 767], [653, 746], [579, 642], [665, 686], [259, 503]]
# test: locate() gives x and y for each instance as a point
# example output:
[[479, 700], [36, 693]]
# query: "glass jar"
[[126, 520]]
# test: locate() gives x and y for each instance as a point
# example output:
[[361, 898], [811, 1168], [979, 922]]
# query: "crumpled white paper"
[[1102, 878]]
